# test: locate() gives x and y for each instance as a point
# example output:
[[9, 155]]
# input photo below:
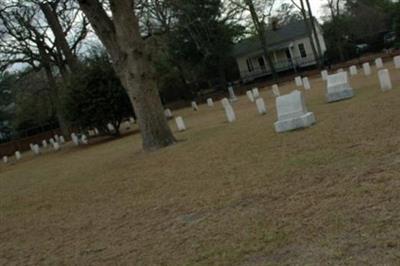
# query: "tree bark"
[[260, 28], [309, 32], [315, 31], [133, 62], [60, 40]]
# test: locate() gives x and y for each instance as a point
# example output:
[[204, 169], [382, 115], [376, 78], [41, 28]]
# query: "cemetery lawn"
[[226, 194]]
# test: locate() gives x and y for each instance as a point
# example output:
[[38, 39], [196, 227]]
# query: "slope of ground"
[[226, 194]]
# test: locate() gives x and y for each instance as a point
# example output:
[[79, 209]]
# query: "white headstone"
[[180, 124], [396, 61], [229, 112], [5, 159], [110, 127], [353, 70], [306, 83], [75, 139], [36, 149], [44, 144], [338, 87], [367, 69], [292, 112], [261, 108], [255, 92], [210, 102], [127, 125], [18, 155], [194, 106], [51, 140], [131, 120], [324, 74], [275, 90], [62, 140], [96, 131], [56, 146], [31, 146], [379, 63], [298, 81], [84, 139], [168, 113], [250, 96], [57, 138], [340, 70], [384, 79], [232, 96], [91, 133]]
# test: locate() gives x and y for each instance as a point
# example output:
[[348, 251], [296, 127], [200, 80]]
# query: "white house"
[[288, 45]]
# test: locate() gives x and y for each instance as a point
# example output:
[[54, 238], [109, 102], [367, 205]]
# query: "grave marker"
[[18, 155], [306, 83], [396, 61], [229, 112], [384, 80], [324, 74], [292, 112], [44, 144], [36, 149], [56, 146], [367, 69], [62, 140], [194, 106], [232, 96], [379, 63], [5, 159], [338, 87], [261, 108], [168, 113], [180, 124], [275, 90], [353, 70], [210, 102], [250, 96], [298, 81], [75, 139], [255, 92]]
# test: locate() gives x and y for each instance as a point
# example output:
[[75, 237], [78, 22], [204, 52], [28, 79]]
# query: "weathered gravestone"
[[229, 112], [275, 90], [250, 96], [131, 120], [168, 113], [255, 92], [396, 61], [194, 106], [5, 159], [338, 87], [62, 140], [378, 62], [84, 139], [353, 70], [210, 102], [324, 74], [306, 83], [110, 127], [384, 80], [367, 69], [298, 81], [261, 108], [180, 124], [75, 139], [36, 149], [44, 144], [51, 140], [56, 146], [18, 155], [340, 70], [232, 96], [292, 112]]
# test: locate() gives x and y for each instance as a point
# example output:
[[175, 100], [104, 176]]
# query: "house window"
[[261, 63], [250, 66], [302, 50]]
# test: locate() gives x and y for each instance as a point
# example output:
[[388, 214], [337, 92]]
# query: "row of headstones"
[[291, 108], [54, 142]]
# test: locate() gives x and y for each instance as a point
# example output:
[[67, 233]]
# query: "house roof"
[[276, 39]]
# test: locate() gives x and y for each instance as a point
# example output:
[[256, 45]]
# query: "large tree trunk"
[[314, 28], [60, 40], [132, 59], [309, 32], [260, 28]]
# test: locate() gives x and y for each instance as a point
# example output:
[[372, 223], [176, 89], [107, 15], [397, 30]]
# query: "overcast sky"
[[316, 6]]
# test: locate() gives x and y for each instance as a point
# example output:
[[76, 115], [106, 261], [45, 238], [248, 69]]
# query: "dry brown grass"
[[227, 194]]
